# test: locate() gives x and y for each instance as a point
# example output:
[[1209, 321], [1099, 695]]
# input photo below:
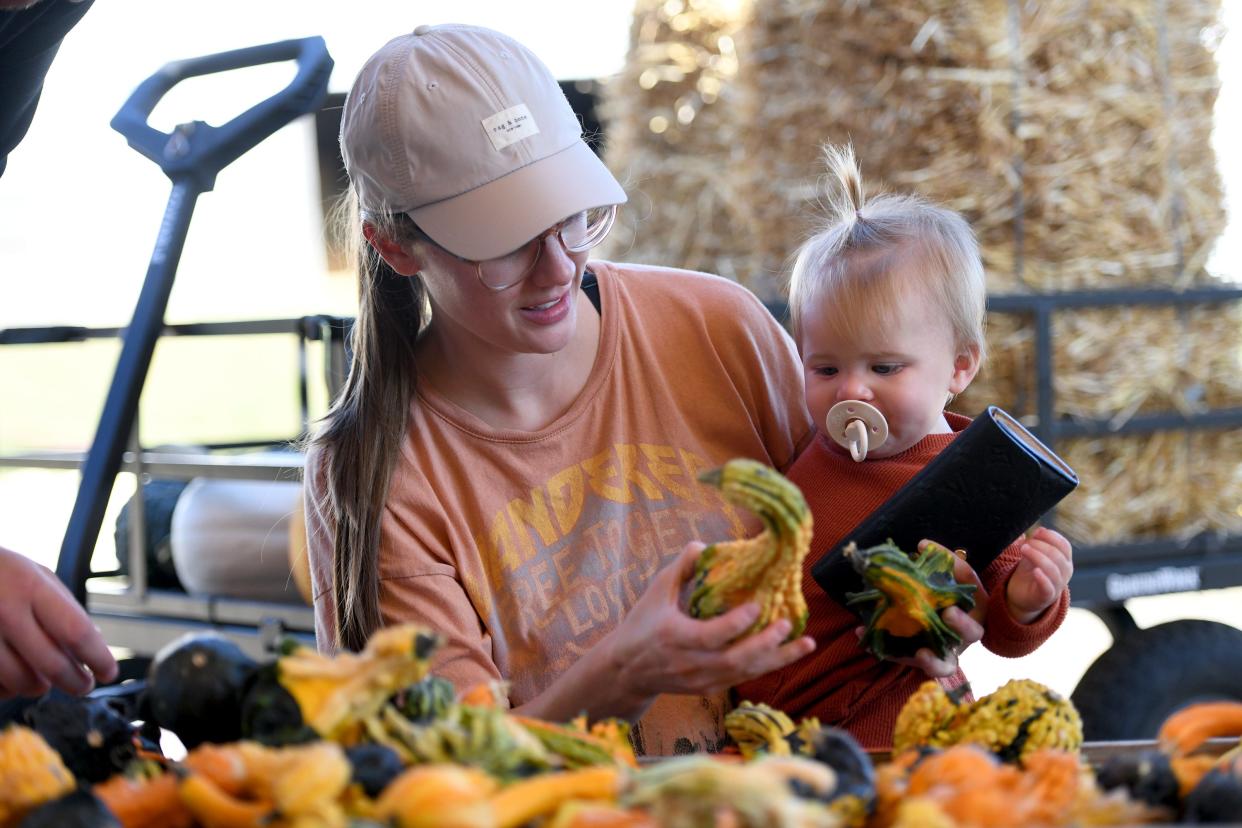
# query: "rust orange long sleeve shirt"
[[841, 683]]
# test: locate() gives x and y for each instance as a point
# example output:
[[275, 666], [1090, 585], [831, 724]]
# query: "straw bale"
[[1115, 118], [911, 84], [1215, 336], [1165, 484], [1007, 377], [672, 127], [1071, 133], [1113, 363], [1074, 135]]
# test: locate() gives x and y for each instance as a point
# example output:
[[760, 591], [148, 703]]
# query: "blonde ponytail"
[[860, 261]]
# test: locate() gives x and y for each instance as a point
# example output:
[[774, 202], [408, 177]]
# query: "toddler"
[[887, 305]]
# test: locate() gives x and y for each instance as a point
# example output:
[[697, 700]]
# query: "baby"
[[887, 304]]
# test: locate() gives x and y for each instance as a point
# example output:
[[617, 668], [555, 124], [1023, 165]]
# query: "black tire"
[[159, 499], [1148, 674]]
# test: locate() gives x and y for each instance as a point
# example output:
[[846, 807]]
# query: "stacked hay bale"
[[1075, 137], [672, 140]]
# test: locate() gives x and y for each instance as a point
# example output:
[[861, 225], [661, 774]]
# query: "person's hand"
[[658, 648], [1041, 576], [46, 638], [968, 626]]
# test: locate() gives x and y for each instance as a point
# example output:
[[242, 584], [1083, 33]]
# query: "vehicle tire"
[[1146, 675], [159, 499]]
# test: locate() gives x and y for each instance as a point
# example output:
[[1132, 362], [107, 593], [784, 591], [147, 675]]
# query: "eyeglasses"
[[577, 234]]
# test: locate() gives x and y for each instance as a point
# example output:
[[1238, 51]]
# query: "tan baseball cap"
[[464, 129]]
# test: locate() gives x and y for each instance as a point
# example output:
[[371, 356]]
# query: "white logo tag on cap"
[[510, 126]]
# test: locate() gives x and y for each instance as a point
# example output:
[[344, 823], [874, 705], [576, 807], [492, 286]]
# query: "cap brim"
[[501, 216]]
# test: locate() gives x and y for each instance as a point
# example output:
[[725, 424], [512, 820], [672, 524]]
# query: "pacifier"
[[856, 426]]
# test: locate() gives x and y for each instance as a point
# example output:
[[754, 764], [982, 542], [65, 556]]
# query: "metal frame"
[[129, 613], [1105, 575], [191, 156]]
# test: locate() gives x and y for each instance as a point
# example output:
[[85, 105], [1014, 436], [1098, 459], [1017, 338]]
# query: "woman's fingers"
[[688, 558], [16, 676], [768, 650], [47, 658], [672, 578], [65, 622], [716, 633], [749, 658]]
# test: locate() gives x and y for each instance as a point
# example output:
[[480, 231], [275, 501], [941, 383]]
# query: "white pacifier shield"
[[857, 426]]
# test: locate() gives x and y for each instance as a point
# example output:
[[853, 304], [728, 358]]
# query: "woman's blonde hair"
[[362, 432], [855, 269]]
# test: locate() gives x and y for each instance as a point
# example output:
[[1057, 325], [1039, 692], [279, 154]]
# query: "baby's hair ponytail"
[[849, 197], [868, 254]]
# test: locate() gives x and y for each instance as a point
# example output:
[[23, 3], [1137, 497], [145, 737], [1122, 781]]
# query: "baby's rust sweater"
[[840, 683]]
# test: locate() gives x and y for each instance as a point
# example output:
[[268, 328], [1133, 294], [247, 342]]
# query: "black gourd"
[[93, 739], [1146, 776], [194, 688], [1216, 799], [373, 767], [269, 713], [78, 809]]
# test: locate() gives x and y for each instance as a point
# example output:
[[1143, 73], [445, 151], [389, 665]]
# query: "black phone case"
[[991, 484]]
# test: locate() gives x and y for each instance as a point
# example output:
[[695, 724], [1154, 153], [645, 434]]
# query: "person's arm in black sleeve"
[[30, 35]]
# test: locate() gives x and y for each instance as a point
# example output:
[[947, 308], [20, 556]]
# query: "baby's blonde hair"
[[852, 268]]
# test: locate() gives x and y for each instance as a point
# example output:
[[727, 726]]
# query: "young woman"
[[513, 461]]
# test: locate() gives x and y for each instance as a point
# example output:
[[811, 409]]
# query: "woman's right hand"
[[657, 648]]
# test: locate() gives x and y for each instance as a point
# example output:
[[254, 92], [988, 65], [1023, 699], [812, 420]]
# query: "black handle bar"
[[203, 150], [190, 156]]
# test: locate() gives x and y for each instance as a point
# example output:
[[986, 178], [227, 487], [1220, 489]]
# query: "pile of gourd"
[[1013, 758], [370, 739]]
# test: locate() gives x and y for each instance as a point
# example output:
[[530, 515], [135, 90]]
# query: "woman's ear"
[[965, 366], [397, 255]]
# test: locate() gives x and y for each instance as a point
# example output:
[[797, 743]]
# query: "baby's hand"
[[1041, 576]]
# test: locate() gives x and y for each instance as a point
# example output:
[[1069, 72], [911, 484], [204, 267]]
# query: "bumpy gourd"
[[759, 728], [766, 568], [33, 773], [305, 695], [1020, 718], [905, 597], [1014, 722], [930, 717]]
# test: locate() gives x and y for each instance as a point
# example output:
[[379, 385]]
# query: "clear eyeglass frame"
[[577, 234]]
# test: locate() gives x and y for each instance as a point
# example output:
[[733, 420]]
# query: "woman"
[[513, 460]]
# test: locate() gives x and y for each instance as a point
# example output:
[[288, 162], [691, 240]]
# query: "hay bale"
[[911, 84], [672, 141], [1007, 377], [1074, 135], [1164, 484], [1113, 363]]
